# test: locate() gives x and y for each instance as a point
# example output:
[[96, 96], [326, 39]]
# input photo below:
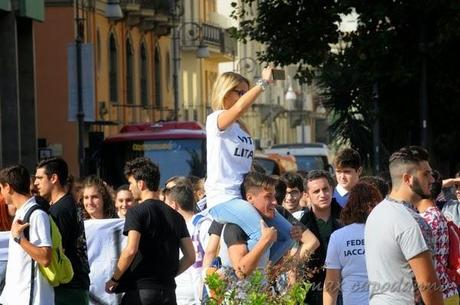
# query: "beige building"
[[288, 112], [200, 25], [273, 119]]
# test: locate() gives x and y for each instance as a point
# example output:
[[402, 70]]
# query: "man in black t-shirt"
[[259, 190], [150, 261], [51, 182]]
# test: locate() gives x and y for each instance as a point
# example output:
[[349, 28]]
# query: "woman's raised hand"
[[267, 74]]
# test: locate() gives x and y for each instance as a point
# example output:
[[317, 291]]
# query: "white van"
[[308, 156]]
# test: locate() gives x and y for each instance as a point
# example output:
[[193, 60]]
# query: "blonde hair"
[[225, 83]]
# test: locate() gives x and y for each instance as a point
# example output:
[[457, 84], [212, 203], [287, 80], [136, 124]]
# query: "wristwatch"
[[17, 239], [262, 83]]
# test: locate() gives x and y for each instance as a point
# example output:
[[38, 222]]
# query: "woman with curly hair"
[[96, 199], [345, 259]]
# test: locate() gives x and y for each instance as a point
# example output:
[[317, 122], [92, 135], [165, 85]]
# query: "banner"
[[105, 241], [4, 240]]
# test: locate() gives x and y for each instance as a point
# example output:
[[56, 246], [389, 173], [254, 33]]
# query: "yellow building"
[[132, 73]]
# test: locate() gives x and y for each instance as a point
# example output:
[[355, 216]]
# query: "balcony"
[[149, 15], [219, 37], [216, 38], [157, 5]]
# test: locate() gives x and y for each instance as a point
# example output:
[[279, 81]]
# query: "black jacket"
[[315, 265]]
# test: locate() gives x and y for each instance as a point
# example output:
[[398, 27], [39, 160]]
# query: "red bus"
[[178, 147]]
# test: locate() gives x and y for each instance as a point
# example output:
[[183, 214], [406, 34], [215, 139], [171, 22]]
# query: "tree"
[[387, 52]]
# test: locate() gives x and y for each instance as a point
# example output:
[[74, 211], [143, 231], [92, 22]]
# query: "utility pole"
[[80, 111]]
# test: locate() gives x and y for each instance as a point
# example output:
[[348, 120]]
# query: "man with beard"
[[398, 241], [51, 181]]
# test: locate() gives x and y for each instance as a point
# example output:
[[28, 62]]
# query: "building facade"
[[200, 25], [143, 67], [288, 112], [17, 81], [129, 60]]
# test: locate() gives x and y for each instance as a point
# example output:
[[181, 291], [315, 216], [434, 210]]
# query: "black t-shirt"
[[215, 228], [69, 219], [233, 235], [157, 260]]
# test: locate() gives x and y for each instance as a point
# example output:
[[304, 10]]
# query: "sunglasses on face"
[[239, 92]]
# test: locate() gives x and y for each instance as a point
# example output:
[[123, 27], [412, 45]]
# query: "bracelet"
[[262, 83], [114, 280]]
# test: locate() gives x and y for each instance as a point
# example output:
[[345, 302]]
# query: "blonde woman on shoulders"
[[230, 152]]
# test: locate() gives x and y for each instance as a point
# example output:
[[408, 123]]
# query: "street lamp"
[[291, 101], [195, 32], [113, 11]]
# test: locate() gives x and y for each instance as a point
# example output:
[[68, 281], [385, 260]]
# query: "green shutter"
[[34, 9]]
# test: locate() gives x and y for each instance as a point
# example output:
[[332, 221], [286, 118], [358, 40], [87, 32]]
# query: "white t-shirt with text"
[[346, 252], [229, 156]]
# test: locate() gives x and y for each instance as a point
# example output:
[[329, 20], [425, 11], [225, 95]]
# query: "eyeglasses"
[[239, 92], [293, 193]]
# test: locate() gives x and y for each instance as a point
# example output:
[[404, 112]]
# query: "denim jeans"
[[242, 213], [149, 297]]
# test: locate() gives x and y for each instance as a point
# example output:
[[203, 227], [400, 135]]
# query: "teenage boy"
[[294, 192], [190, 283], [24, 284], [348, 168], [259, 191]]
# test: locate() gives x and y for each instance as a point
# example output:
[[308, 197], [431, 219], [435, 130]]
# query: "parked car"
[[275, 164], [308, 156]]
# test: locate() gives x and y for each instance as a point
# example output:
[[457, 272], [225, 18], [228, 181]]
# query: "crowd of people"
[[363, 240]]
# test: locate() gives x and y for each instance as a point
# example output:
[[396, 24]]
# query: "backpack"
[[453, 266], [60, 270]]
